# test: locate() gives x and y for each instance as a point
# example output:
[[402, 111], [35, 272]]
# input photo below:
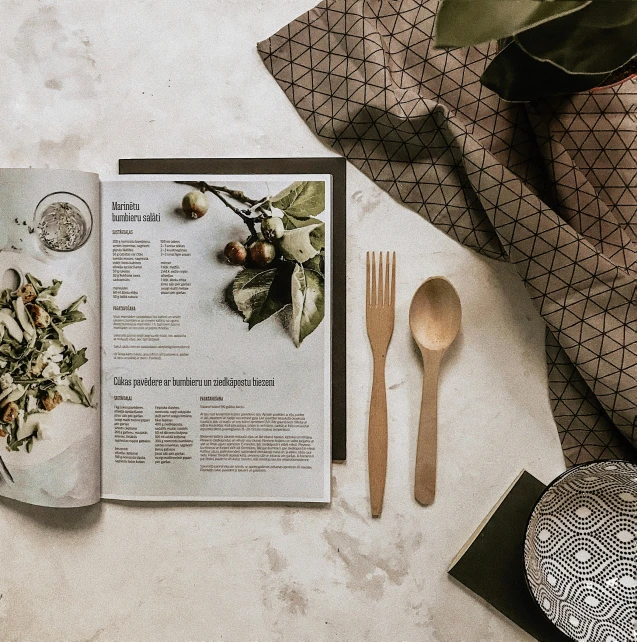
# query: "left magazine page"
[[49, 337]]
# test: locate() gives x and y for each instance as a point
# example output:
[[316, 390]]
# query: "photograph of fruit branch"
[[281, 259]]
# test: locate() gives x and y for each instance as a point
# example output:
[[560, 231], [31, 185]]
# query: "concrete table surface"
[[85, 83]]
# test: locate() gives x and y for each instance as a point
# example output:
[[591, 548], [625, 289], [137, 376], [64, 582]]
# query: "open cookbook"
[[165, 337]]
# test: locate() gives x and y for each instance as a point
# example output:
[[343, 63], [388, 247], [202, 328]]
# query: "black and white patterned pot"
[[580, 552]]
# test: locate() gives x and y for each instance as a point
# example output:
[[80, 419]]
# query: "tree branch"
[[235, 194], [220, 191], [250, 222]]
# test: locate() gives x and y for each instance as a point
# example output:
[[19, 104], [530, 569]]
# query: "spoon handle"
[[426, 450], [377, 438]]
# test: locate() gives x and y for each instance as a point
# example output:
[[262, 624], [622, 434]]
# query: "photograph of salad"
[[38, 364]]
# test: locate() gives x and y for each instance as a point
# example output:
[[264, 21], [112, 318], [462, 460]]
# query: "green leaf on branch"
[[302, 199], [258, 294], [317, 263], [250, 290], [462, 23], [317, 236], [292, 223], [300, 244], [308, 302], [279, 295]]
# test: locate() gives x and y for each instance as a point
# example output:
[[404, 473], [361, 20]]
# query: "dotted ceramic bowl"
[[580, 552]]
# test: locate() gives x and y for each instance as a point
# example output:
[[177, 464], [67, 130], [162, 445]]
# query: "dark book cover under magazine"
[[336, 167], [491, 563]]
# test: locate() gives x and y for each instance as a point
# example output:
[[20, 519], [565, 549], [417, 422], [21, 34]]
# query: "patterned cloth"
[[550, 187]]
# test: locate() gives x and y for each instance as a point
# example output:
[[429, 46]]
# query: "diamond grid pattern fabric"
[[551, 187]]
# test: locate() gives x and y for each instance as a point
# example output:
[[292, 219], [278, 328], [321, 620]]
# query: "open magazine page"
[[216, 376], [49, 337]]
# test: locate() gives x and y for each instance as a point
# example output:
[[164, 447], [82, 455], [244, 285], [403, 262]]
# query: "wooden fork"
[[381, 290]]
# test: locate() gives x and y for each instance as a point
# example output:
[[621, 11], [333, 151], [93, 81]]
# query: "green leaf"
[[50, 306], [308, 303], [250, 289], [300, 244], [316, 264], [61, 337], [599, 39], [515, 76], [317, 235], [5, 298], [292, 223], [68, 318], [77, 360], [76, 383], [317, 238], [15, 445], [462, 23], [278, 295], [52, 290], [35, 282], [258, 294], [75, 305], [301, 199]]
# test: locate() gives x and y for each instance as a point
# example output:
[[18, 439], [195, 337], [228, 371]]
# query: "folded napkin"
[[550, 187]]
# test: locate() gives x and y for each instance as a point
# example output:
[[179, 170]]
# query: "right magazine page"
[[216, 338]]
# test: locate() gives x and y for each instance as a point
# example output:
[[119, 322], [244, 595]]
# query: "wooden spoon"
[[434, 320]]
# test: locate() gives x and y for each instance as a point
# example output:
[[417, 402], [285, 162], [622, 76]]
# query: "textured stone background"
[[85, 83]]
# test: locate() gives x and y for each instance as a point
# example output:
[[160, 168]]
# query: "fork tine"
[[381, 281], [388, 290], [393, 281], [374, 299], [367, 284]]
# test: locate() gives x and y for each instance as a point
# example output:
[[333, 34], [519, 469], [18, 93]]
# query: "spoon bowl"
[[435, 314], [434, 319]]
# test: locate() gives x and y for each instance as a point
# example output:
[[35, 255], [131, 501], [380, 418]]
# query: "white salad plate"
[[68, 423]]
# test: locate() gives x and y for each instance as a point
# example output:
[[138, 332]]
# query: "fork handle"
[[377, 437], [427, 448]]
